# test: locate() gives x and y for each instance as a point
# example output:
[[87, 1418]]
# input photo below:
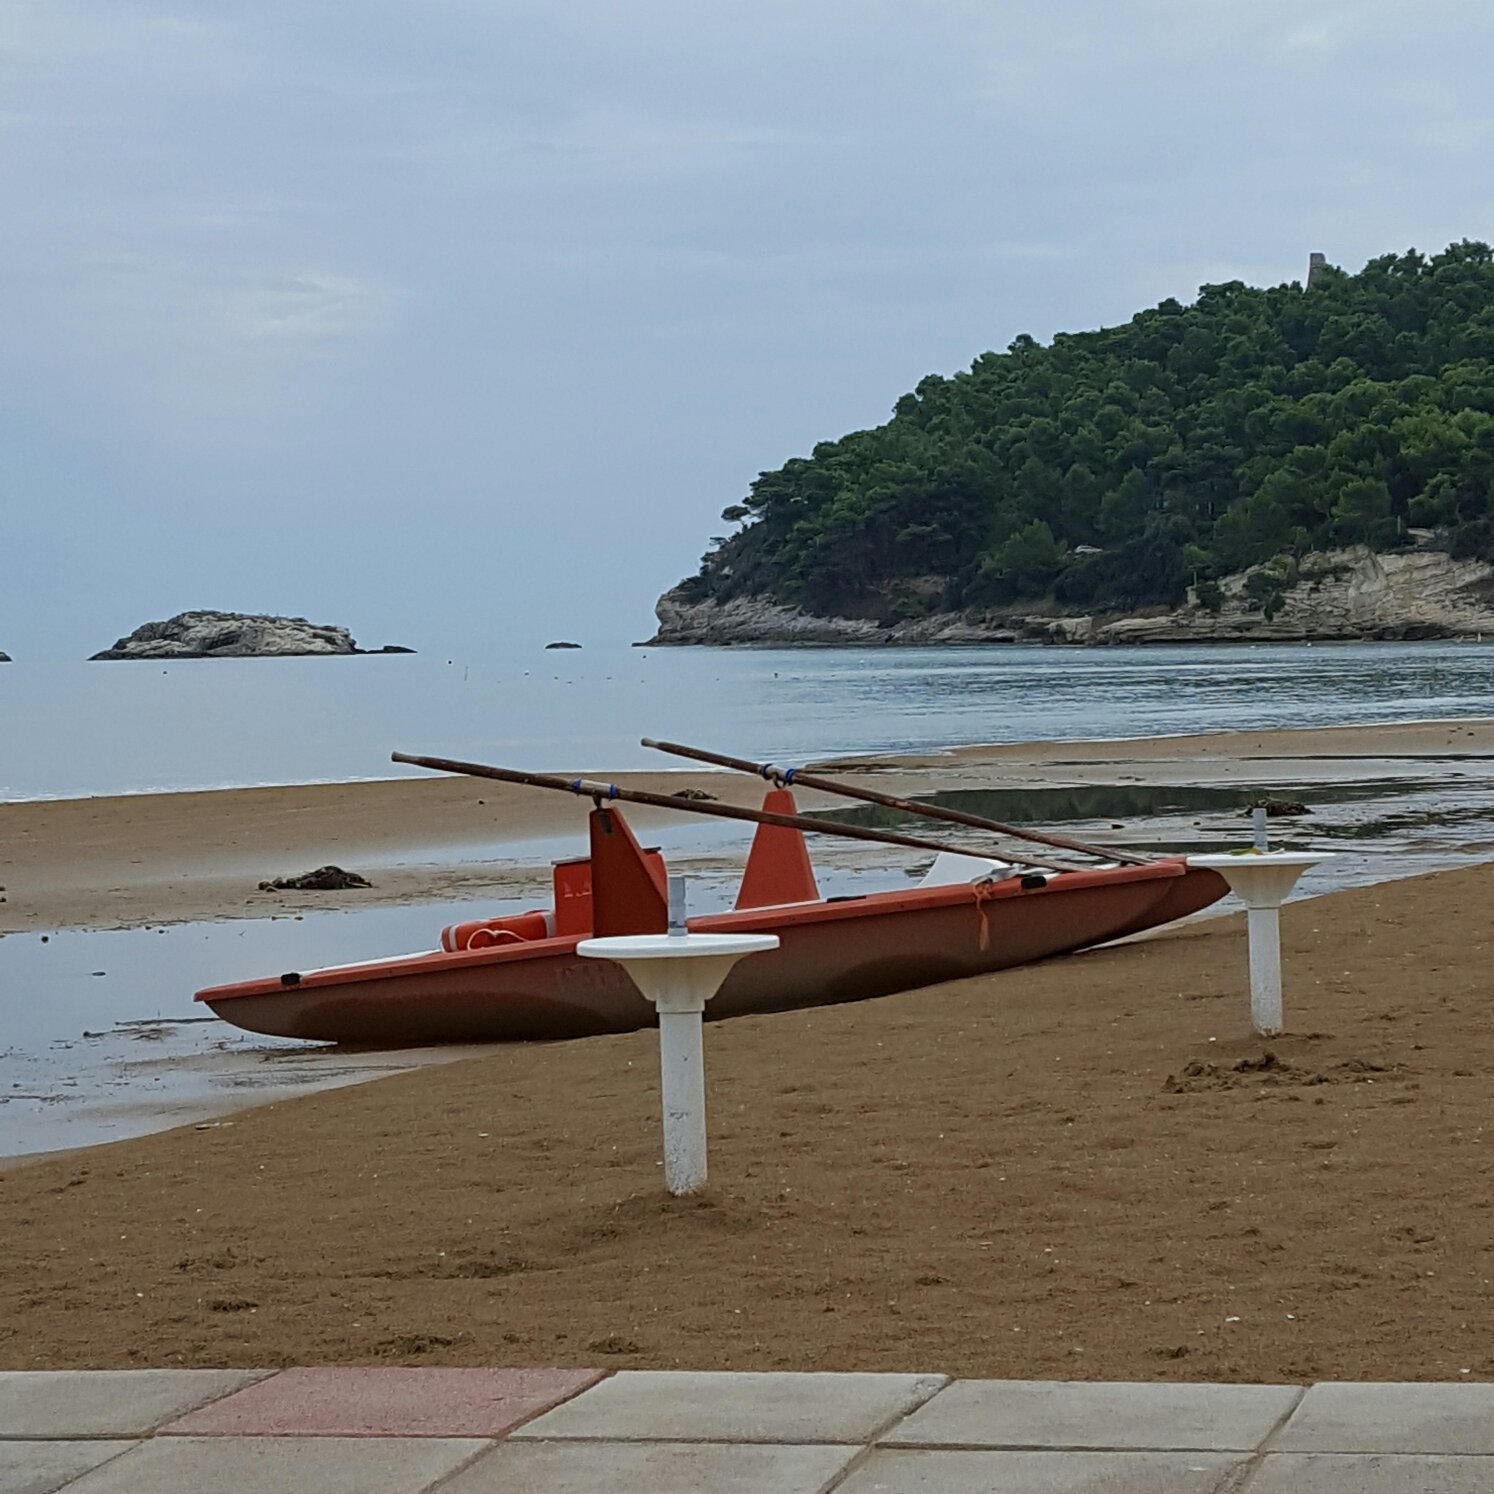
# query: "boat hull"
[[830, 952]]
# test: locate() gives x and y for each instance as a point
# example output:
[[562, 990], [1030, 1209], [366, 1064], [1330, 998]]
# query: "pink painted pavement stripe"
[[394, 1402]]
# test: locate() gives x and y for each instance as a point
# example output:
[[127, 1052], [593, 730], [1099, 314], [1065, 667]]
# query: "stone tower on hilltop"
[[1316, 264]]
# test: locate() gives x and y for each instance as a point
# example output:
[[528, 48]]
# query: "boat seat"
[[950, 868]]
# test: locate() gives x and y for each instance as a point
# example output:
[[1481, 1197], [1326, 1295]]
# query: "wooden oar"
[[890, 801], [599, 791]]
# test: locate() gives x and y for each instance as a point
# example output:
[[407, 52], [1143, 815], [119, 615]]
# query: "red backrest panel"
[[629, 886]]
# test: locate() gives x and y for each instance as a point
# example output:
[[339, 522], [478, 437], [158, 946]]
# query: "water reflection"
[[1121, 801]]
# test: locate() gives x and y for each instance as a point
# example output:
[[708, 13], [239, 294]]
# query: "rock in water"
[[235, 635], [4, 658], [562, 644], [323, 879]]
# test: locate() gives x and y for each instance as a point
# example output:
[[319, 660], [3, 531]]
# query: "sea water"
[[69, 730]]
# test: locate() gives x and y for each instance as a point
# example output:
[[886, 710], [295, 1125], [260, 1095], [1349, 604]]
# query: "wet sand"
[[204, 1089], [1085, 1169], [150, 859]]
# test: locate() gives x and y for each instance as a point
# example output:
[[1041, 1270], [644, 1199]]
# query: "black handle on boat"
[[776, 774], [591, 788]]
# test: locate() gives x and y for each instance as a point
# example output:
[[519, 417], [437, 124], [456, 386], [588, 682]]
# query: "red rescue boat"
[[520, 977]]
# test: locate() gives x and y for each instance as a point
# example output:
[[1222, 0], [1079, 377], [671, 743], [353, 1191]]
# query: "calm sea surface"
[[112, 728]]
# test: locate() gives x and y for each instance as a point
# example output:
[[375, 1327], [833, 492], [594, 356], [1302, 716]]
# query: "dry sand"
[[1076, 1170], [149, 859]]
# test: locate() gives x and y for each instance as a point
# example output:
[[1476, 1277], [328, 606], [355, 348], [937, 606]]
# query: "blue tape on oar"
[[596, 790]]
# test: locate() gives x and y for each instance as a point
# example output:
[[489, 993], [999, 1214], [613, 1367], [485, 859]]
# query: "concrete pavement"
[[558, 1431]]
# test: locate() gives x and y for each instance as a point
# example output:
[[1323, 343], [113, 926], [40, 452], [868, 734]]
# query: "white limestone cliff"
[[1339, 595]]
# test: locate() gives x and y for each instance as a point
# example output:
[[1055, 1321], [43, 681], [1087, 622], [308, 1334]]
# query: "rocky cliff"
[[235, 635], [1339, 594]]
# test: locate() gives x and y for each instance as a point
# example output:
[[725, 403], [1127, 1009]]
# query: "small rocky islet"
[[236, 635]]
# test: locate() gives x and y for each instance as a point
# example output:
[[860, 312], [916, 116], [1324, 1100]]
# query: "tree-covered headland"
[[1111, 470]]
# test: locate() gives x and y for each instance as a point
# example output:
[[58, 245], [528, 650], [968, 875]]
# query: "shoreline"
[[129, 861], [871, 754], [159, 893]]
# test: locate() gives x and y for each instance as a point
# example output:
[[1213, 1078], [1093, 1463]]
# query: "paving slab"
[[391, 1402], [899, 1471], [1338, 1416], [68, 1404], [1371, 1473], [675, 1406], [44, 1467], [654, 1468], [282, 1465], [1056, 1414]]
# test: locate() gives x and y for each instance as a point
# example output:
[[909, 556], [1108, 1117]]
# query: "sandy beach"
[[151, 859], [1085, 1169]]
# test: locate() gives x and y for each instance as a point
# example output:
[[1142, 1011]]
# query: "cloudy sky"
[[459, 321]]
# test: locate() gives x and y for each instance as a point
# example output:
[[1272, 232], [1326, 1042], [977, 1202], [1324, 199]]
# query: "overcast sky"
[[459, 321]]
